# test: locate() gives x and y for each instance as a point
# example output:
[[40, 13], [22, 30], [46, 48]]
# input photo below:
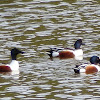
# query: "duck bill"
[[21, 52]]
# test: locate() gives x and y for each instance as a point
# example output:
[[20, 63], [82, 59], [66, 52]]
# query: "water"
[[36, 25]]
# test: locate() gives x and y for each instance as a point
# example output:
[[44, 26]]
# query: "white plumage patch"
[[55, 54], [14, 65], [82, 68], [78, 54]]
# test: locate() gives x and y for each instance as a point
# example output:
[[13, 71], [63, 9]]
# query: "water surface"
[[36, 25]]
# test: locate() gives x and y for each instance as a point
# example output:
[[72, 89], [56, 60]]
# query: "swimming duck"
[[14, 65], [89, 68], [64, 53]]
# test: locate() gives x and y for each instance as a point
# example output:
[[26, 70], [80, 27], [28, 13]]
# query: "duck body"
[[89, 68], [66, 53], [14, 65], [77, 54], [5, 68]]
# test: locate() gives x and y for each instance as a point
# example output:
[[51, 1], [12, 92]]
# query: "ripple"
[[35, 26]]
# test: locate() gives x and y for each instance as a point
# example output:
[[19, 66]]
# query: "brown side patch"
[[66, 55], [5, 69], [91, 69]]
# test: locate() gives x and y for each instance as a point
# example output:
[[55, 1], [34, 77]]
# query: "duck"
[[65, 53], [91, 68], [14, 65]]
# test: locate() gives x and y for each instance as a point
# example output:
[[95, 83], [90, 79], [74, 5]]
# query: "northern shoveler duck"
[[14, 65], [62, 53], [89, 68]]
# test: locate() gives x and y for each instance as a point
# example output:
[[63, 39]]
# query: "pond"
[[35, 26]]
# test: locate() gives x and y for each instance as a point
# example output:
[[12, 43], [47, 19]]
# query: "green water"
[[36, 25]]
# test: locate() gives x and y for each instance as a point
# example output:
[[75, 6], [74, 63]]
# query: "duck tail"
[[49, 52], [76, 69]]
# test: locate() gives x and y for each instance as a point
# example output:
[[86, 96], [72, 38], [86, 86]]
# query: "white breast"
[[78, 54], [14, 65]]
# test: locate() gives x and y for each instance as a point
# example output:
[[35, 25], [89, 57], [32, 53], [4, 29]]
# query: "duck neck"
[[77, 45], [13, 57]]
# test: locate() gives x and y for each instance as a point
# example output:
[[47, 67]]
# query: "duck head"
[[15, 52], [78, 44], [94, 60]]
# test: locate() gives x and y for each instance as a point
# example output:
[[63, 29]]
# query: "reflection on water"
[[37, 25]]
